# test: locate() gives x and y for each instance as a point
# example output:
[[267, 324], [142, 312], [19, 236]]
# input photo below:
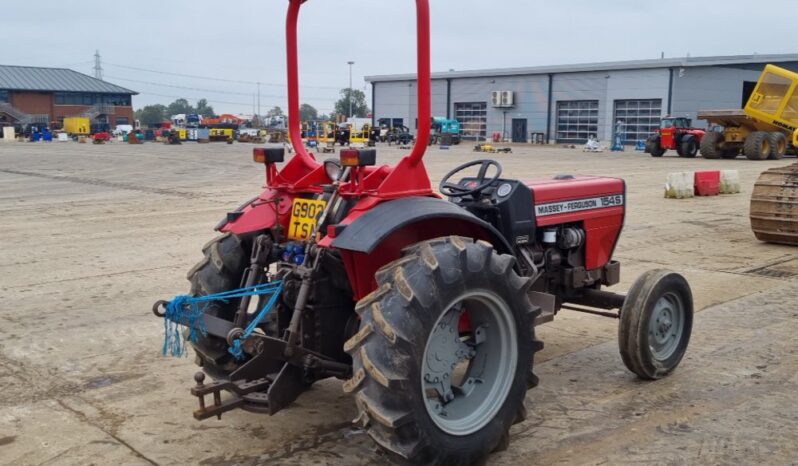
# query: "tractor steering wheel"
[[457, 190]]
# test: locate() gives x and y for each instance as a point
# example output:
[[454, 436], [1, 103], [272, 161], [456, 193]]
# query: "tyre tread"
[[386, 349]]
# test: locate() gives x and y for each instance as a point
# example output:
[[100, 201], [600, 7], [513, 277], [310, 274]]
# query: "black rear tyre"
[[656, 322], [221, 269], [710, 145], [757, 146], [688, 147], [403, 349], [778, 145]]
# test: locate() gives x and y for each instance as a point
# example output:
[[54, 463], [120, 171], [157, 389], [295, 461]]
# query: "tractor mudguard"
[[259, 213], [367, 231], [378, 236]]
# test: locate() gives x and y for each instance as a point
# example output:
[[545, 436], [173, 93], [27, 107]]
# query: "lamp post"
[[350, 63]]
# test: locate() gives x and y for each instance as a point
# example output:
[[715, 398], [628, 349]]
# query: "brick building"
[[48, 95]]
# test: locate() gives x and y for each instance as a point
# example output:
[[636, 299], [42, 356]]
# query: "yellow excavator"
[[774, 201]]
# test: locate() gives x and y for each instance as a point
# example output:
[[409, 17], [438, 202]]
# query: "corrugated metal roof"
[[602, 66], [31, 78]]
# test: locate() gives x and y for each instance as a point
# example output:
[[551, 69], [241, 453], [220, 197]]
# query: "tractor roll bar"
[[424, 82]]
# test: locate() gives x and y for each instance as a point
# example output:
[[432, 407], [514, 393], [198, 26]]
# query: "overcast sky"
[[244, 40]]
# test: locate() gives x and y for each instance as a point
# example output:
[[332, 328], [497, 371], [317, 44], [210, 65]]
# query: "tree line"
[[157, 113]]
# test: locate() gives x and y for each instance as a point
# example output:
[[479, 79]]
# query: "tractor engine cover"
[[597, 203]]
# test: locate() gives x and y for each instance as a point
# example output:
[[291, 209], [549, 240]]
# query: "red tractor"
[[425, 306], [675, 134]]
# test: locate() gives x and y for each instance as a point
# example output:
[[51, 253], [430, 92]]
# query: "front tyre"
[[656, 322], [654, 147], [430, 384], [711, 145]]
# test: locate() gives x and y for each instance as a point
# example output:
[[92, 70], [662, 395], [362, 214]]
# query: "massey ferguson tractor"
[[423, 304], [675, 134]]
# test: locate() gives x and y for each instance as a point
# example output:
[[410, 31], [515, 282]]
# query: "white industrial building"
[[569, 103]]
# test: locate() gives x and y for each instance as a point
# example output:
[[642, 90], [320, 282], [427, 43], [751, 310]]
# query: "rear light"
[[358, 158], [259, 155], [350, 158], [268, 154]]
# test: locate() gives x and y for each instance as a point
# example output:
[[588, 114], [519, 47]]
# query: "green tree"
[[308, 112], [180, 106], [151, 114], [358, 98], [204, 109], [275, 112]]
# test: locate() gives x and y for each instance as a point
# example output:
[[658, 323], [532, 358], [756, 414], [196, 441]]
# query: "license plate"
[[304, 214]]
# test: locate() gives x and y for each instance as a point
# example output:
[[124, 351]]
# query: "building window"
[[641, 118], [473, 118], [577, 120], [3, 96], [73, 98], [122, 121], [117, 100], [85, 99]]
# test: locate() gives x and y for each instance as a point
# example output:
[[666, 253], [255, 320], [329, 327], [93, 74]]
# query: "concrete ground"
[[92, 235]]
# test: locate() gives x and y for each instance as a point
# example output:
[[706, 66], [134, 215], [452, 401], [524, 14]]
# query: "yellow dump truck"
[[764, 129], [80, 126], [772, 110]]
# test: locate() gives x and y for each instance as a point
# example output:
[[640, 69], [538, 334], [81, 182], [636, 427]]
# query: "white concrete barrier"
[[729, 182], [679, 185]]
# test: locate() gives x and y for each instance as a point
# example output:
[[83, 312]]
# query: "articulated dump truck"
[[766, 128]]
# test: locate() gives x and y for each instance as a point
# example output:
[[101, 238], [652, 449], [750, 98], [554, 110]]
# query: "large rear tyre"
[[688, 147], [221, 269], [426, 389], [757, 146], [710, 145], [778, 145], [656, 322]]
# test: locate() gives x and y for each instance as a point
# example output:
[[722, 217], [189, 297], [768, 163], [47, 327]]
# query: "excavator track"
[[774, 206]]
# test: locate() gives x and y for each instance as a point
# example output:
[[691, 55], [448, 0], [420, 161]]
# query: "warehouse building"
[[48, 95], [570, 103]]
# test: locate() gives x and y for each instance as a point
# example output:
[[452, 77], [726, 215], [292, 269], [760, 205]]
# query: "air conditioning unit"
[[502, 98]]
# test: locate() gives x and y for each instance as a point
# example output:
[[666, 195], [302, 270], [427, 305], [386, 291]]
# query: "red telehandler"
[[425, 306], [675, 134]]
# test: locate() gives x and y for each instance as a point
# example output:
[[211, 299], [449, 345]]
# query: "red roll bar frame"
[[408, 177]]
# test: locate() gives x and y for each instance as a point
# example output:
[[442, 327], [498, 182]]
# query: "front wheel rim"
[[466, 378], [666, 326]]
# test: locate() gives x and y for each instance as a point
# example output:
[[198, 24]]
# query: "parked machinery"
[[764, 128], [774, 205], [185, 126], [426, 306], [768, 129], [224, 132], [77, 126], [399, 135], [444, 131], [675, 133]]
